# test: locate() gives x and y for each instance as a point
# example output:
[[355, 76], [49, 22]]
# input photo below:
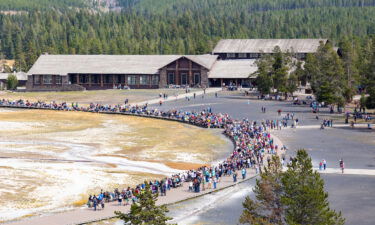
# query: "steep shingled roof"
[[240, 68], [110, 64], [267, 45]]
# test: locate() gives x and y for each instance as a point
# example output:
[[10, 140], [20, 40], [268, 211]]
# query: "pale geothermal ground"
[[53, 160]]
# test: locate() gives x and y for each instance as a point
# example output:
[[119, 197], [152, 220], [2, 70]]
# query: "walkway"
[[357, 125], [368, 172], [180, 96]]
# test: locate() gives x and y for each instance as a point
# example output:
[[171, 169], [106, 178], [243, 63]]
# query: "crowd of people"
[[252, 141]]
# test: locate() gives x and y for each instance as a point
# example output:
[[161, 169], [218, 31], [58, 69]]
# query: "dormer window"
[[242, 55], [231, 55]]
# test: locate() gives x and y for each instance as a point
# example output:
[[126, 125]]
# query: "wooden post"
[[101, 80], [176, 76], [221, 82], [90, 80], [190, 79], [77, 77]]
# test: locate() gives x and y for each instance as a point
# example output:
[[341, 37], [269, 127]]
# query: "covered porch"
[[115, 81]]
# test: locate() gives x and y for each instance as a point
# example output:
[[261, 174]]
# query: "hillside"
[[173, 26], [248, 6], [25, 5]]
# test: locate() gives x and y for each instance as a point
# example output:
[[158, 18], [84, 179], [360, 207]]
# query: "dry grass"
[[86, 97]]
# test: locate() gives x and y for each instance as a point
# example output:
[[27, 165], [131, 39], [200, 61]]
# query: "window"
[[58, 79], [231, 55], [171, 78], [254, 55], [122, 79], [36, 79], [47, 79], [301, 55], [95, 79], [132, 80], [155, 80], [108, 79], [117, 79], [183, 78], [242, 55], [197, 78], [144, 80]]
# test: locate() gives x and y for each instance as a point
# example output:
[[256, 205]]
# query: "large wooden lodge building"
[[231, 62]]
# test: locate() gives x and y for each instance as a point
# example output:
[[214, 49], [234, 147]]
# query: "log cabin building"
[[232, 62]]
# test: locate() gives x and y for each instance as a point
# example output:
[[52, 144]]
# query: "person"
[[324, 164], [216, 94], [215, 182], [243, 174], [89, 201], [95, 202], [320, 165], [342, 165], [161, 102], [119, 199], [235, 177], [191, 186]]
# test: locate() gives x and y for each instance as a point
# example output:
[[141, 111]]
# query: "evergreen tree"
[[267, 208], [12, 82], [280, 68], [145, 211], [370, 100], [304, 198], [295, 196], [264, 79], [370, 71], [327, 75]]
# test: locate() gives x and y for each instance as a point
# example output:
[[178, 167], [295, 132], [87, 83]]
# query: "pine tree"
[[304, 198], [145, 211], [267, 209], [12, 82], [327, 75], [370, 100], [264, 80]]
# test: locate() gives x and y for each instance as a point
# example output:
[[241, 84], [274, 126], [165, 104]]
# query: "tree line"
[[24, 37], [247, 6]]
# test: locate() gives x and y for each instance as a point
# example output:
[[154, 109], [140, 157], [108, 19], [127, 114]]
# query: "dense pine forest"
[[173, 26]]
